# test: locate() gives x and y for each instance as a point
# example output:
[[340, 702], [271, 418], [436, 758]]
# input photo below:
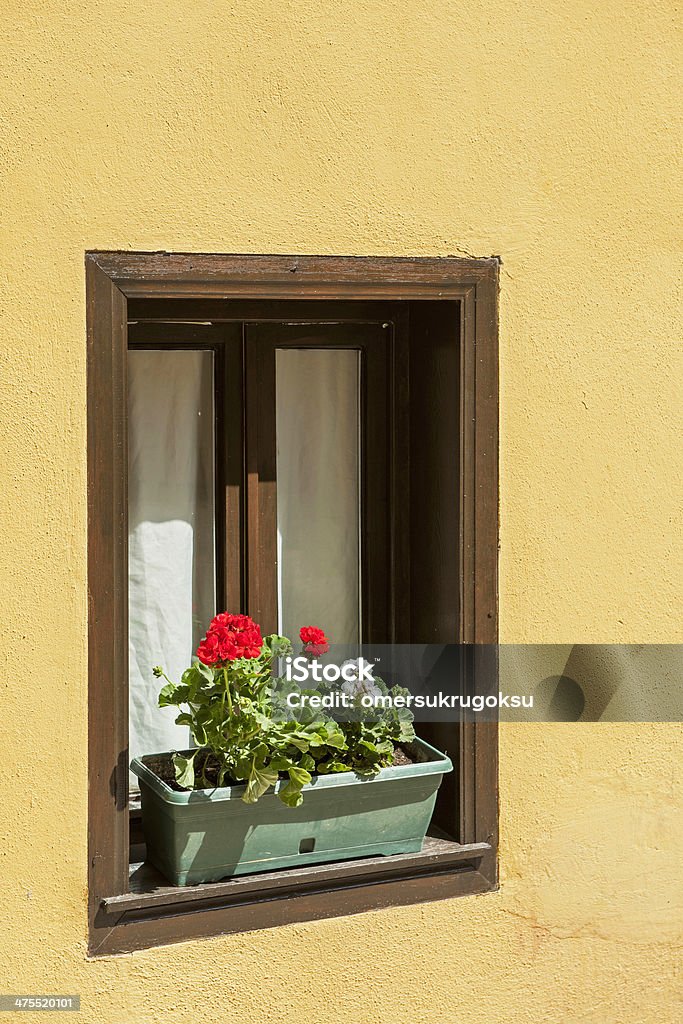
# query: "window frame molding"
[[117, 921]]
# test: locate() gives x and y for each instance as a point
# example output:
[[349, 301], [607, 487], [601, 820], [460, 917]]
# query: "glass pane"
[[318, 491], [171, 557]]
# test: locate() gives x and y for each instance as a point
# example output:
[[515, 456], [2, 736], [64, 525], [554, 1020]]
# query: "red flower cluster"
[[229, 637], [314, 640]]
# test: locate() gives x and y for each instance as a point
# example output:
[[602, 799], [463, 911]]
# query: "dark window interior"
[[409, 429]]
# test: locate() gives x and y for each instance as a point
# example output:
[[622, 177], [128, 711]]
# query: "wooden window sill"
[[153, 911], [149, 889]]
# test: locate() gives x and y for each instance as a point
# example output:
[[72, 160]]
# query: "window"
[[200, 356]]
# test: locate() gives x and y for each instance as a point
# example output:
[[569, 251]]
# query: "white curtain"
[[171, 513], [318, 509], [171, 531]]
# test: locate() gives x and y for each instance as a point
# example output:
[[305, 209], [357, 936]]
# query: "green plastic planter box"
[[206, 835]]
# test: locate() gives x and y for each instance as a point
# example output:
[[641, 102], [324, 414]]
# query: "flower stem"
[[227, 691]]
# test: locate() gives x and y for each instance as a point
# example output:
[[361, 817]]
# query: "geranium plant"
[[228, 698]]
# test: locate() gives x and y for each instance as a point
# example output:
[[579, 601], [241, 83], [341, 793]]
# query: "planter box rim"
[[438, 764]]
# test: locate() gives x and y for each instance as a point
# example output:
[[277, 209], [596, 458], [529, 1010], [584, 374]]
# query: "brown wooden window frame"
[[121, 920]]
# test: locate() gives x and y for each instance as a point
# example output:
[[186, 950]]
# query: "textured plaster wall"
[[540, 131]]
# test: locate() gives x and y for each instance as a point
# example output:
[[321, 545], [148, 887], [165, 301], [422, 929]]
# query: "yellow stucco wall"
[[539, 131]]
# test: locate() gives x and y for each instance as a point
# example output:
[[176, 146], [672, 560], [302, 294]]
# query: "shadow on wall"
[[595, 682]]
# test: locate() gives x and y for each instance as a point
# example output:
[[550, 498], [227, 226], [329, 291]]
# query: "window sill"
[[154, 912]]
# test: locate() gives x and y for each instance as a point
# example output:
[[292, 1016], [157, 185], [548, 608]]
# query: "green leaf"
[[281, 763], [260, 779], [167, 696], [278, 646], [328, 767], [406, 732], [300, 775], [335, 737], [291, 794], [172, 695], [204, 670], [301, 743], [184, 770]]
